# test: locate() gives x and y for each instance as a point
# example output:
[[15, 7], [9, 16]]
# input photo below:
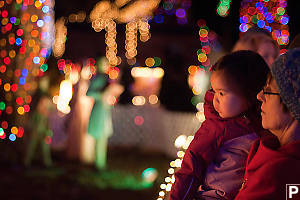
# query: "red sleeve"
[[201, 152]]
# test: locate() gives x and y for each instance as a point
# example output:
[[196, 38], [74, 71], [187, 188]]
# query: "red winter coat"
[[208, 140], [269, 168]]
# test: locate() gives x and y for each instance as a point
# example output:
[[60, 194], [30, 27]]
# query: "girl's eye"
[[221, 93]]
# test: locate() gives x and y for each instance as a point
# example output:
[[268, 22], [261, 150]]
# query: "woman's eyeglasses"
[[269, 93]]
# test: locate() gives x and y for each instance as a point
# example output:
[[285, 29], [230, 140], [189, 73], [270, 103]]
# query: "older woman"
[[274, 161]]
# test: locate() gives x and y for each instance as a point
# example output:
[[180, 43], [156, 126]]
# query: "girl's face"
[[226, 101]]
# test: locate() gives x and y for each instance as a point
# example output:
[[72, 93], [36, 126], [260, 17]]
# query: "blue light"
[[243, 19], [18, 41], [22, 80], [13, 20], [24, 72], [260, 23], [268, 28], [12, 137], [259, 5], [45, 35], [36, 60], [45, 9], [283, 4], [243, 27], [270, 20], [47, 19], [284, 20], [268, 16], [159, 19], [180, 13], [264, 10], [40, 23], [149, 175]]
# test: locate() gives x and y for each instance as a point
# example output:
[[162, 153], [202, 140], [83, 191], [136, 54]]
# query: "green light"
[[167, 6], [199, 51], [17, 21], [1, 131], [254, 19], [196, 99], [280, 11], [157, 61], [44, 67], [18, 6], [2, 105]]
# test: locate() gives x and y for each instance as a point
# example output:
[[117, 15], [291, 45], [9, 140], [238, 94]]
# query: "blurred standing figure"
[[260, 41], [40, 128], [100, 125]]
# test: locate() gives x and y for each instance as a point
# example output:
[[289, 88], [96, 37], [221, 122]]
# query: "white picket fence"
[[158, 132]]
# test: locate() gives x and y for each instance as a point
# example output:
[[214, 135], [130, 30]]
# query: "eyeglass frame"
[[270, 93]]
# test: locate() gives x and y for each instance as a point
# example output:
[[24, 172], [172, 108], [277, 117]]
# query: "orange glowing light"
[[21, 110]]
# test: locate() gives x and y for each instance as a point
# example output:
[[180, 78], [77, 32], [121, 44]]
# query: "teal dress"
[[100, 122]]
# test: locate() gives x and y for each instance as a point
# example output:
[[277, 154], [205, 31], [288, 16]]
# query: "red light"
[[8, 26], [3, 53], [17, 72], [26, 108], [14, 87], [20, 132], [7, 60], [4, 124], [9, 110], [19, 101], [20, 32], [4, 13], [2, 68], [48, 140], [138, 120]]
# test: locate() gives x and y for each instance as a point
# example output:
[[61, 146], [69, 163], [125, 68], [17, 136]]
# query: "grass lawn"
[[71, 180]]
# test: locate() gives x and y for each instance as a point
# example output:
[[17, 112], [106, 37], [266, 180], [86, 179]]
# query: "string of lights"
[[26, 26]]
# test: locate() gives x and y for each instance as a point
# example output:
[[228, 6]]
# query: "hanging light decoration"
[[136, 15], [267, 14]]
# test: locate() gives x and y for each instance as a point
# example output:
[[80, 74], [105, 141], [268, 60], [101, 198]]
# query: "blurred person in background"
[[260, 41]]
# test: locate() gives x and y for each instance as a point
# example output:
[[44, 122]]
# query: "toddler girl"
[[214, 164]]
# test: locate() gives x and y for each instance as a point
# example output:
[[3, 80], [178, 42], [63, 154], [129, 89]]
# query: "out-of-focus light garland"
[[131, 37], [181, 143], [60, 38], [136, 15], [267, 14], [179, 8], [223, 8], [26, 27], [198, 75]]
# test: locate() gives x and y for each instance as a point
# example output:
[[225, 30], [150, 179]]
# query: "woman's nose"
[[260, 96]]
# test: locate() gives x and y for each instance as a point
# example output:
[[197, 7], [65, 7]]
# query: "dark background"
[[226, 28]]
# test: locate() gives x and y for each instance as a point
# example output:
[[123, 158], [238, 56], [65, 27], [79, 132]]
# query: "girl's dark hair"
[[246, 71]]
